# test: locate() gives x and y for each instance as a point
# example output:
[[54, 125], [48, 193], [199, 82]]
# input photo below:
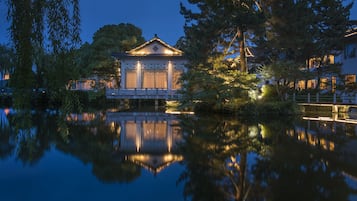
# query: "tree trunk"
[[243, 58], [243, 166]]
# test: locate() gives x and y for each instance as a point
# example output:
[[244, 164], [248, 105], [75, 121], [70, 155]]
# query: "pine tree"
[[220, 28], [299, 30], [215, 47]]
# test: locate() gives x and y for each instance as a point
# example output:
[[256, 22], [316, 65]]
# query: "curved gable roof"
[[155, 46]]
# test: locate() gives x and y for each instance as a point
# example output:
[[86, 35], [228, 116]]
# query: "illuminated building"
[[149, 71]]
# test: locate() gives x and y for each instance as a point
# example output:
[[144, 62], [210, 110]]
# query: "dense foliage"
[[283, 36], [96, 58], [302, 35], [41, 27], [215, 47]]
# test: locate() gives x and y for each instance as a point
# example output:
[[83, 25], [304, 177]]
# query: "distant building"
[[92, 83], [149, 71], [349, 56]]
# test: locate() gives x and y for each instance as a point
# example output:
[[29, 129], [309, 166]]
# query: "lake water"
[[129, 156]]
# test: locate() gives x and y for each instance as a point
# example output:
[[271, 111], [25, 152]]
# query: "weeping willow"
[[38, 26]]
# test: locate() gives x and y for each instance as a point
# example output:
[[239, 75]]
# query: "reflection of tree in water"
[[31, 133], [4, 122], [116, 171], [219, 165], [7, 142], [215, 152], [94, 142], [28, 135], [297, 172]]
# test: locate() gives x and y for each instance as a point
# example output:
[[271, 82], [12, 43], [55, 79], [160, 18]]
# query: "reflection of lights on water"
[[154, 163], [311, 139], [178, 112]]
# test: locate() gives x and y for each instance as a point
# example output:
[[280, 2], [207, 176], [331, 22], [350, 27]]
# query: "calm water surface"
[[108, 155]]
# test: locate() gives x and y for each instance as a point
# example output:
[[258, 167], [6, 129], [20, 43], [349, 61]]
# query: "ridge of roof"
[[155, 38]]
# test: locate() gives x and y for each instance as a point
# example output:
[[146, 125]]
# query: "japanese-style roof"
[[159, 42], [154, 47]]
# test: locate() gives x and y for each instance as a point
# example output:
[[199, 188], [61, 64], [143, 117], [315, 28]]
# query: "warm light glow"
[[145, 160], [7, 76], [141, 53], [112, 126], [7, 111], [263, 131], [118, 130], [138, 67], [138, 142], [314, 140], [253, 131], [178, 112], [253, 94], [265, 91], [167, 51]]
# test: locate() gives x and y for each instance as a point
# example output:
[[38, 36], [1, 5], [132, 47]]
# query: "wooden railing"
[[345, 98], [142, 94]]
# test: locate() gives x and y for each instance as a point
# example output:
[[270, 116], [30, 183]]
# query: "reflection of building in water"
[[84, 117], [148, 139], [322, 132], [309, 137], [330, 136]]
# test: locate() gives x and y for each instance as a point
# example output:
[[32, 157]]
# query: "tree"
[[332, 22], [298, 31], [289, 30], [34, 23], [7, 57], [284, 73], [113, 38], [96, 58], [224, 25], [215, 47]]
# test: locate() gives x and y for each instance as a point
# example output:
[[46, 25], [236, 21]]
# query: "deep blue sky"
[[160, 17]]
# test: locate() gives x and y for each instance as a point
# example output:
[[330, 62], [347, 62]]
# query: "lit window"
[[155, 79], [311, 84], [323, 83], [130, 79], [350, 79]]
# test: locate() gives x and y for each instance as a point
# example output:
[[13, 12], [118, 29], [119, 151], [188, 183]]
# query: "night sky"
[[160, 17]]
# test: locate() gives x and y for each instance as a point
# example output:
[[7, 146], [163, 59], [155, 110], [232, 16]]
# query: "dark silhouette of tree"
[[38, 26]]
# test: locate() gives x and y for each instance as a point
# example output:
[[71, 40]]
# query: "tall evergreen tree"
[[332, 22], [299, 30], [6, 59], [215, 47], [220, 27]]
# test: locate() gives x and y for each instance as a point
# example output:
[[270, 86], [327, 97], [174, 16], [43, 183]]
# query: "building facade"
[[149, 71], [329, 80], [349, 57]]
